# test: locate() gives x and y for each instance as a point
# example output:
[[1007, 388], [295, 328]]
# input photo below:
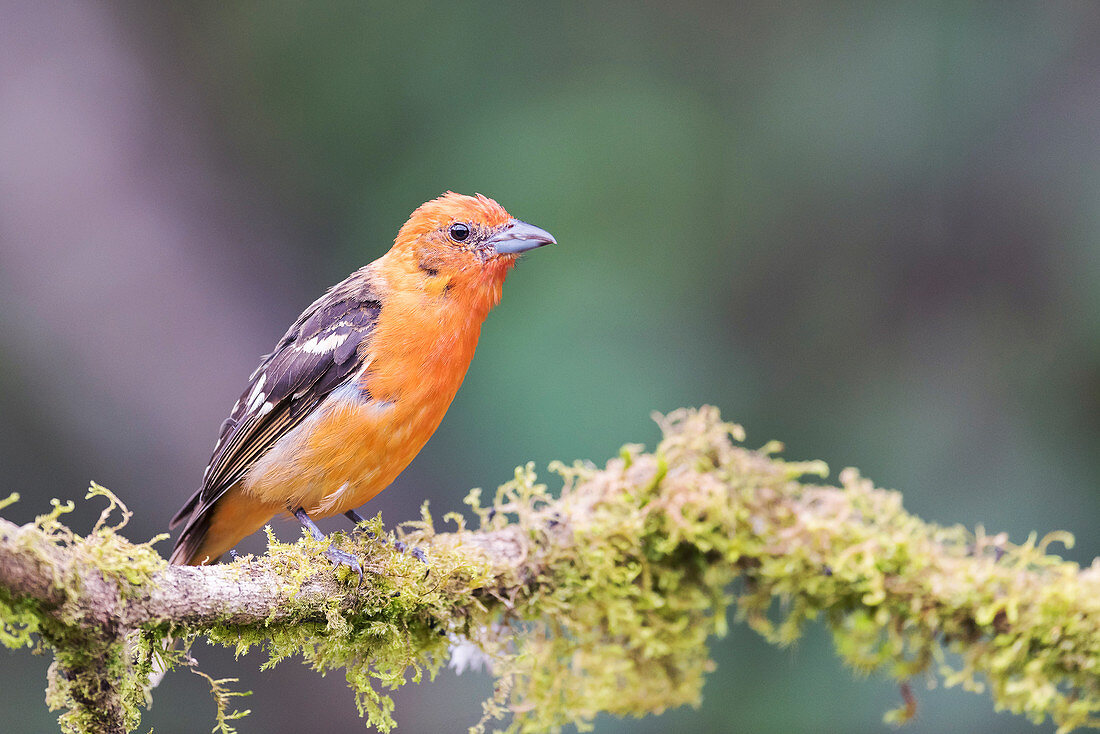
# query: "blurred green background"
[[870, 230]]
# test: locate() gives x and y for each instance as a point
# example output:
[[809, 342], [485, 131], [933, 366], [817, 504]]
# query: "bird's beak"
[[517, 237]]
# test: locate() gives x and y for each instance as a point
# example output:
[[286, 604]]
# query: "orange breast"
[[367, 431]]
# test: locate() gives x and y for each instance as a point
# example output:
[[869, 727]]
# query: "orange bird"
[[359, 382]]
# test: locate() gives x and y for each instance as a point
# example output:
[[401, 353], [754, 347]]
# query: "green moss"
[[18, 617], [130, 564], [618, 618], [617, 581], [18, 624], [88, 666], [86, 672], [223, 699], [396, 633]]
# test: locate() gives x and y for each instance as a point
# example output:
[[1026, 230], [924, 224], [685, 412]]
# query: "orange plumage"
[[360, 382]]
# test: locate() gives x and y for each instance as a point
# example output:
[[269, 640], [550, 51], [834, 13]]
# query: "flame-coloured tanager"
[[359, 382]]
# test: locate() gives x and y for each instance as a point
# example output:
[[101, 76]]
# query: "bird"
[[359, 382]]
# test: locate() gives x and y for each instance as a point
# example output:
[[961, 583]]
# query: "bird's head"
[[467, 239]]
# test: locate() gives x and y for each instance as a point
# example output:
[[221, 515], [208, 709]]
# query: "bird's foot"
[[416, 553], [358, 519], [343, 558], [337, 556]]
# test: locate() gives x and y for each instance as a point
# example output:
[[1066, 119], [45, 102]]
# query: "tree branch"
[[600, 599], [198, 597]]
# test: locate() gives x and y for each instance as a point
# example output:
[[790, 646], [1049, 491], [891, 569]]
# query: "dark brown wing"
[[318, 353]]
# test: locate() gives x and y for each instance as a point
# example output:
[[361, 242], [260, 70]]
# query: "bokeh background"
[[869, 230]]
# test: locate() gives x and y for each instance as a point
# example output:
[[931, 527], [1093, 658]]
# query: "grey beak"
[[517, 237]]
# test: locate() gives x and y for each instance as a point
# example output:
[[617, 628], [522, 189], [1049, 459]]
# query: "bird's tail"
[[218, 527]]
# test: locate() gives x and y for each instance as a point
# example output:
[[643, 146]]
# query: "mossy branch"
[[601, 598]]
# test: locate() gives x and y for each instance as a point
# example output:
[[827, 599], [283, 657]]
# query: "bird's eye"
[[459, 231]]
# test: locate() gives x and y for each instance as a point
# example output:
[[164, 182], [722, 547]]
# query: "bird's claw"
[[399, 546], [416, 553], [343, 558]]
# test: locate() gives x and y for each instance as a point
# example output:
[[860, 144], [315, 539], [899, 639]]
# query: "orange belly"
[[336, 460], [343, 455]]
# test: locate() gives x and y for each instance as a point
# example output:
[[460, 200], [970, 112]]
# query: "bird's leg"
[[335, 555], [356, 518]]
